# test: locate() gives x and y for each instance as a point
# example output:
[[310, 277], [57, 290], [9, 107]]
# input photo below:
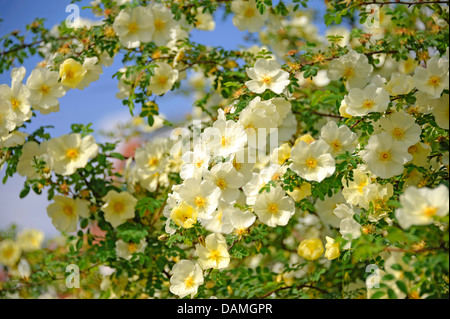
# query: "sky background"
[[95, 104]]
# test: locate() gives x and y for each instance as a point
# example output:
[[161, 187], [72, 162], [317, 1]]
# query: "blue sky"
[[96, 104]]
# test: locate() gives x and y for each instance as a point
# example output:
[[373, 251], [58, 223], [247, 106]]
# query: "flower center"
[[118, 207], [72, 153], [189, 282], [430, 211], [368, 104], [273, 208], [133, 27], [199, 163], [132, 247], [434, 81], [68, 210], [69, 74], [249, 12], [311, 163], [7, 253], [162, 80], [237, 165], [159, 24], [349, 72], [225, 141], [276, 177], [214, 255], [267, 79], [153, 161], [221, 183], [385, 156], [414, 295], [336, 144], [361, 186], [45, 89], [250, 128], [200, 201], [15, 103], [398, 133], [412, 149]]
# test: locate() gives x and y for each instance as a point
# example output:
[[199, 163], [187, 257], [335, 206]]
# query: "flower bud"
[[310, 249], [332, 249]]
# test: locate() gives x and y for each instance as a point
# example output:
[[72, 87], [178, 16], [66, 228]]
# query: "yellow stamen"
[[72, 153], [273, 208], [15, 103], [434, 81], [200, 201], [133, 27], [189, 282], [311, 163], [225, 141], [368, 104], [398, 133], [336, 144], [214, 255], [221, 183], [430, 211], [7, 253], [45, 89], [153, 161], [385, 156], [68, 210], [249, 12], [267, 79], [349, 72], [199, 163], [159, 24], [412, 149], [162, 80], [118, 207], [237, 165], [132, 247]]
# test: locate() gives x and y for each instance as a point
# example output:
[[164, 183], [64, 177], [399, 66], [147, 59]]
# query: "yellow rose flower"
[[300, 192], [118, 207], [310, 249], [9, 252], [332, 249], [184, 215], [71, 73]]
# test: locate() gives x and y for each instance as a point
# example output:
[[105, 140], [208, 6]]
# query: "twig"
[[288, 287], [408, 3], [322, 114], [26, 45], [357, 122]]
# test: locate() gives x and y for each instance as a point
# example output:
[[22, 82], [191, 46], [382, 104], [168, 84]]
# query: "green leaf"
[[24, 192], [402, 286], [117, 155], [378, 295]]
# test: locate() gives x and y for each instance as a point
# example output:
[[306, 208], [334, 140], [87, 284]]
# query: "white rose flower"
[[313, 161], [274, 208], [247, 16], [133, 26], [421, 205], [383, 156], [267, 74]]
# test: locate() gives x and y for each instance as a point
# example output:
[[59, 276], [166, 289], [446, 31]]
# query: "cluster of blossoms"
[[41, 92], [11, 251], [251, 159]]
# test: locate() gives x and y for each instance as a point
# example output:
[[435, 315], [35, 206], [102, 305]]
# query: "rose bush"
[[311, 166]]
